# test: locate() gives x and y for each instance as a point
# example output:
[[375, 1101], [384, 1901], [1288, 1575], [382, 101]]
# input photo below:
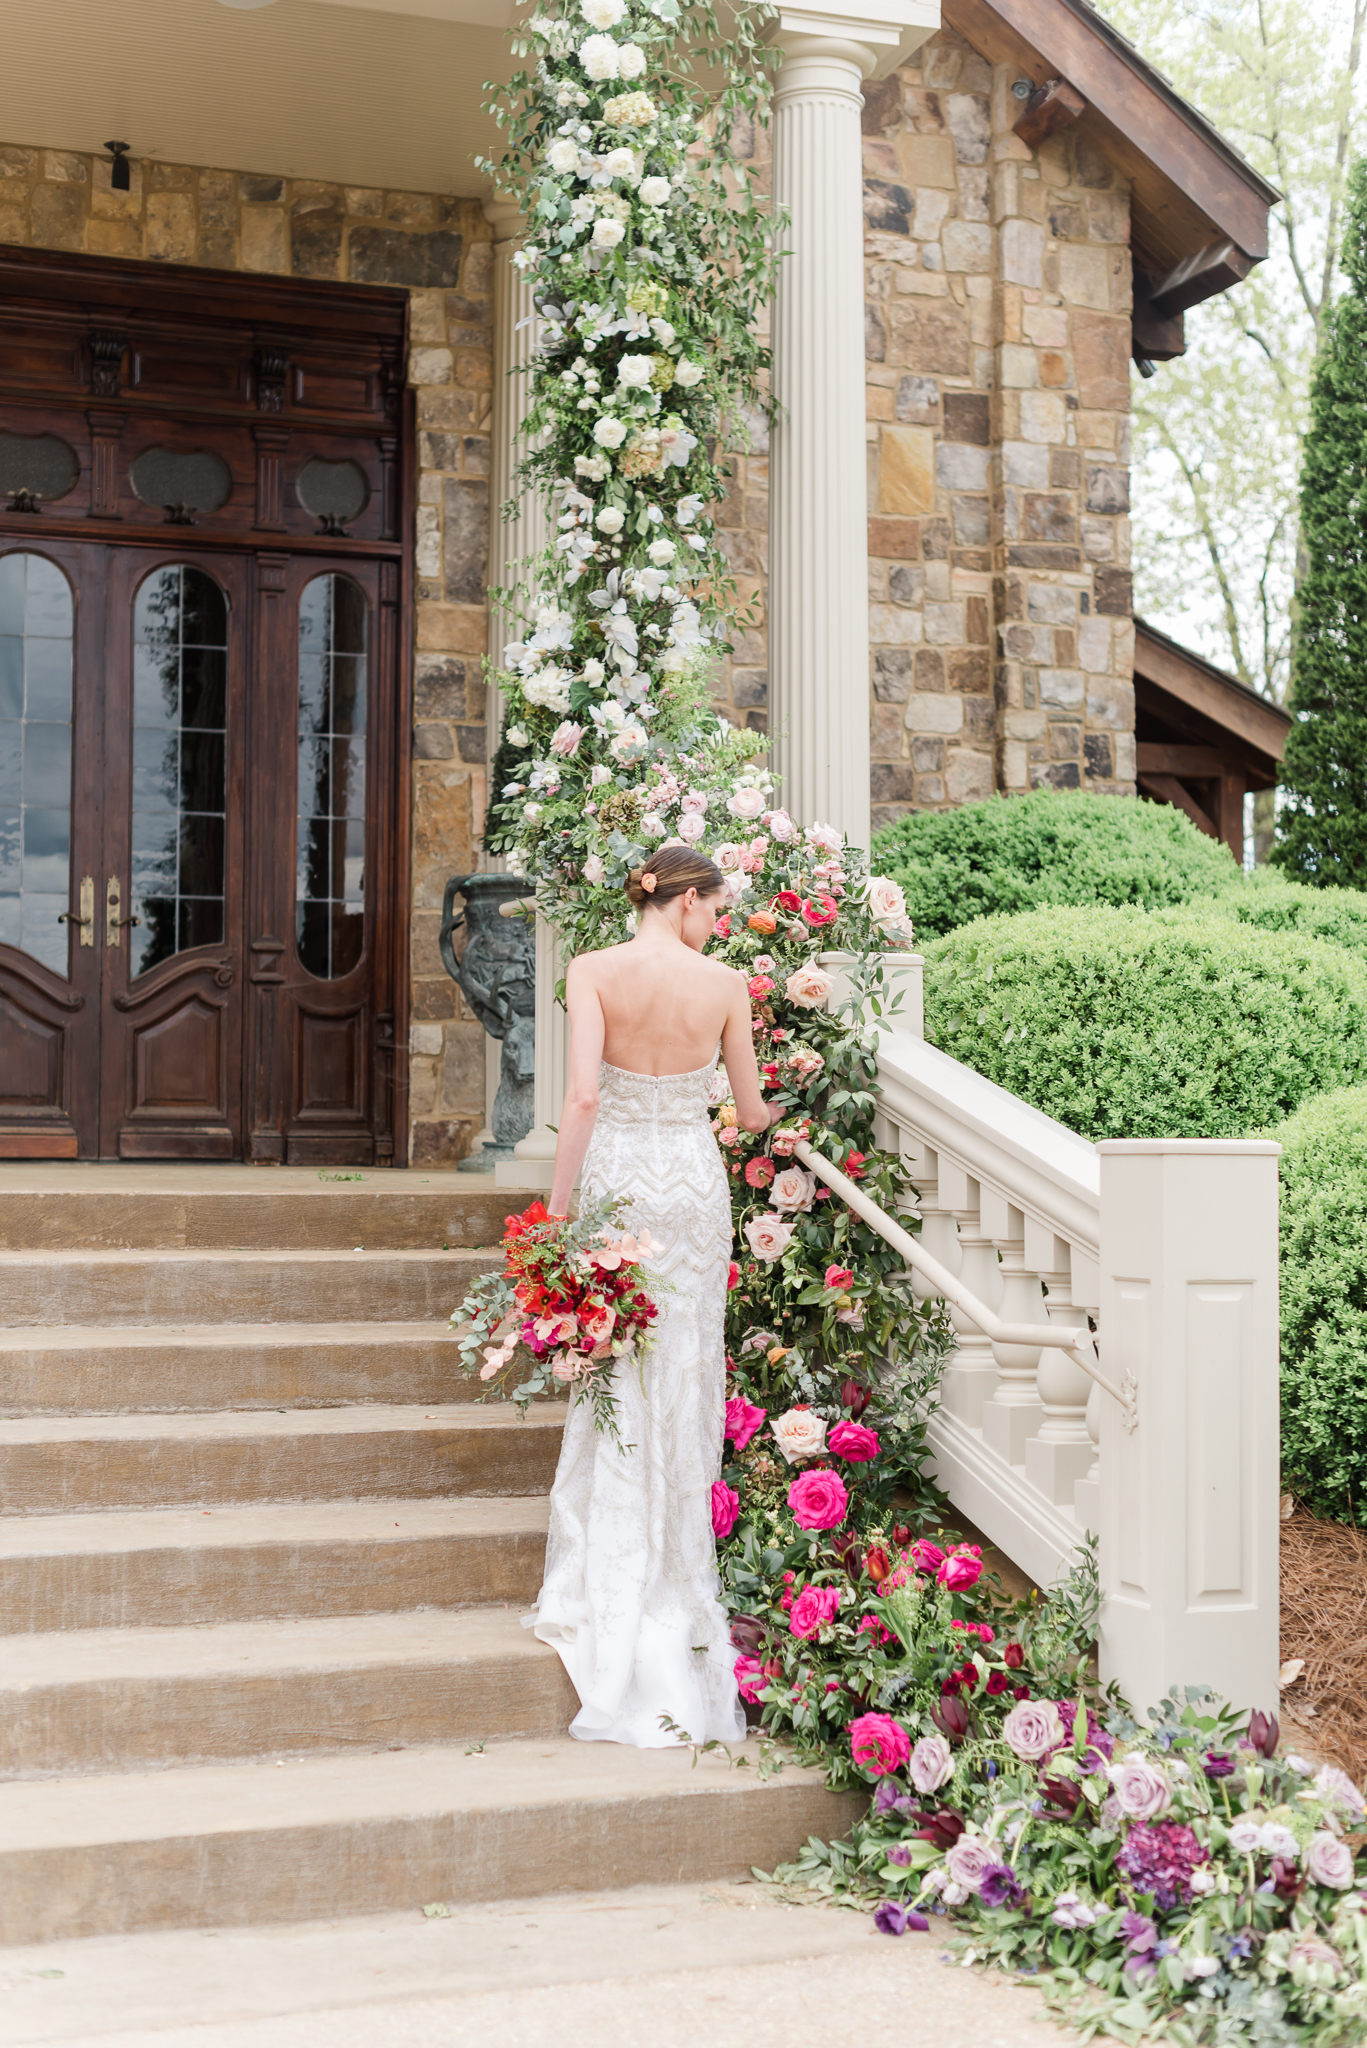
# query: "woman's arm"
[[742, 1069], [580, 1110]]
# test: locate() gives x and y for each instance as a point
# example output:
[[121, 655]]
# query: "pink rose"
[[725, 1508], [742, 1420], [799, 1433], [813, 1606], [1142, 1789], [781, 826], [750, 1678], [808, 988], [1329, 1861], [931, 1764], [767, 1236], [691, 828], [793, 1189], [746, 803], [879, 1744], [1033, 1728], [838, 1276], [960, 1570], [695, 801], [969, 1861], [760, 986], [818, 1500], [825, 837], [885, 899], [566, 738], [784, 1143], [727, 857], [926, 1556], [852, 1441]]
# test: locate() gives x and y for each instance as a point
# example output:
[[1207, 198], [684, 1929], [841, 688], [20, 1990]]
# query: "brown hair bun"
[[673, 871]]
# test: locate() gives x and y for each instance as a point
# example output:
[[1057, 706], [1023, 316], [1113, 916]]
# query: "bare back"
[[664, 1012]]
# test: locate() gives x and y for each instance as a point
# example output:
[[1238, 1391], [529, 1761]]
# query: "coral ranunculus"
[[852, 1441], [762, 922], [879, 1744], [742, 1420], [725, 1508], [759, 1172], [818, 1500]]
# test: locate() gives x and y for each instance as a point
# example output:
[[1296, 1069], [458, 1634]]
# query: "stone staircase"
[[262, 1563]]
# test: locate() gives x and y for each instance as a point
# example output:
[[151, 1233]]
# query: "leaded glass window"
[[36, 624], [330, 886], [180, 699]]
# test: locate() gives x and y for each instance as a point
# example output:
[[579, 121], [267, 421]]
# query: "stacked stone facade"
[[441, 250]]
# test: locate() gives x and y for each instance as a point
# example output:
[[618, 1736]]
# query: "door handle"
[[113, 904], [86, 919]]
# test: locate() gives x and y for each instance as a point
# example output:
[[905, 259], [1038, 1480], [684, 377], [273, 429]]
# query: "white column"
[[818, 540], [1189, 1468]]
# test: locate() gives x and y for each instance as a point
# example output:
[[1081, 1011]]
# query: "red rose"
[[997, 1682], [787, 900], [854, 1168], [1014, 1656]]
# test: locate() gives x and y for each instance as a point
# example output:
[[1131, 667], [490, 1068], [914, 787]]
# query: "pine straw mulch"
[[1324, 1623]]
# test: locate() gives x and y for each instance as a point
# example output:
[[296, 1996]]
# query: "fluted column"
[[818, 536]]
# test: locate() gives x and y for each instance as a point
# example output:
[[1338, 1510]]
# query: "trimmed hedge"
[[1324, 1303], [1055, 846], [1123, 1024], [1271, 904]]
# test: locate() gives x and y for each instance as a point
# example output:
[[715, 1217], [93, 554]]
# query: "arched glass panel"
[[180, 705], [329, 910], [36, 620]]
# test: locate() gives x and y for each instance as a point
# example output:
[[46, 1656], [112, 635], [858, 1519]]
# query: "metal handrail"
[[1078, 1344]]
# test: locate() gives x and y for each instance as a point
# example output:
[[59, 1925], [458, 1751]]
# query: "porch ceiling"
[[357, 92]]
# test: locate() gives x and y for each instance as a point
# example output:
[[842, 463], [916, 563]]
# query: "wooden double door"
[[189, 832]]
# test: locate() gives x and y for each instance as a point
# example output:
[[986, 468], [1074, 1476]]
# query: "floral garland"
[[650, 259]]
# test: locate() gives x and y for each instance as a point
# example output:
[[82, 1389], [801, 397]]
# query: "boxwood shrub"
[[1324, 1303], [1272, 904], [1055, 846], [1124, 1024]]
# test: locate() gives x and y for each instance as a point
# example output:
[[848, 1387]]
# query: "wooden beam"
[[1049, 108], [1154, 338], [1169, 790], [1154, 758], [1260, 725], [1229, 812], [1210, 271]]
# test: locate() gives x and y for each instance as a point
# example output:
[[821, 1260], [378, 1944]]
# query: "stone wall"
[[441, 249]]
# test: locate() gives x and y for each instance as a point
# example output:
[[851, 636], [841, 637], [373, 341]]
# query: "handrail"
[[1050, 1336]]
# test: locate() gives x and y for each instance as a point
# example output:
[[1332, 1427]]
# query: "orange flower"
[[762, 922]]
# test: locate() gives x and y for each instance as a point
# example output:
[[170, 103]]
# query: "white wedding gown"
[[629, 1598]]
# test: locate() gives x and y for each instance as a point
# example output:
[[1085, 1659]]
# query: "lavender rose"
[[1142, 1789], [1329, 1861], [969, 1861], [931, 1764], [1033, 1728]]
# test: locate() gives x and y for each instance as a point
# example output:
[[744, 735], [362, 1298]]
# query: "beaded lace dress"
[[629, 1598]]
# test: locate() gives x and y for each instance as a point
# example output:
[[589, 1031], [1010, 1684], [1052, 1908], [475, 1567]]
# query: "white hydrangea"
[[600, 57], [602, 13], [549, 688]]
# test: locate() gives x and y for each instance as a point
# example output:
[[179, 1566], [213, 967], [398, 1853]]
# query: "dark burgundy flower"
[[943, 1828], [1264, 1733], [747, 1634], [1288, 1882], [951, 1716], [901, 1535], [1013, 1656], [1219, 1764], [854, 1397], [1000, 1886], [1060, 1798]]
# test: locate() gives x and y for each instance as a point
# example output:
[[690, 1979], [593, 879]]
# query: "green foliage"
[[1130, 1025], [1270, 903], [1324, 1303], [1322, 828], [1056, 846]]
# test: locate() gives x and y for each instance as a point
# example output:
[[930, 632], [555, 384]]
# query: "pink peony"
[[1329, 1861], [879, 1744], [742, 1420], [961, 1569], [931, 1764], [767, 1236], [852, 1441], [808, 987], [725, 1508], [818, 1500], [750, 1678], [813, 1606], [1032, 1729], [1142, 1790]]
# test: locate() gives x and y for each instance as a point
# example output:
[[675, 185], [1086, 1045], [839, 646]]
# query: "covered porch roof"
[[1202, 738]]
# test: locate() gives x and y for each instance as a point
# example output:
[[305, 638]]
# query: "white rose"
[[653, 825], [688, 374], [691, 828], [799, 1434], [767, 1236], [655, 191], [563, 156], [531, 812], [610, 520], [602, 13], [609, 433], [661, 552], [808, 988], [607, 233], [620, 163], [600, 57], [885, 899], [1329, 1861], [631, 61], [746, 803], [1142, 1789], [826, 837], [594, 871], [793, 1189], [636, 372], [516, 736]]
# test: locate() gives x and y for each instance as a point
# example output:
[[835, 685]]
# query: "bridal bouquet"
[[571, 1298]]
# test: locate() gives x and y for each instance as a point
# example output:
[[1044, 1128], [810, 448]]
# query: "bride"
[[630, 1593]]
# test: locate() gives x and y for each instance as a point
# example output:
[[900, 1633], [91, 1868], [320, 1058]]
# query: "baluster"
[[1061, 1453], [1087, 1492], [971, 1374], [938, 1234], [1013, 1414]]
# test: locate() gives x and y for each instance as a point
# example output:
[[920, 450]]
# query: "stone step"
[[241, 1366], [228, 1845], [66, 1465], [110, 1207], [170, 1568], [136, 1698], [50, 1289]]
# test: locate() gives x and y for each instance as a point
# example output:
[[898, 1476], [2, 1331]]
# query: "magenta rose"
[[879, 1744], [926, 1556], [742, 1420], [960, 1570], [725, 1508], [813, 1606], [750, 1678], [851, 1440], [818, 1500]]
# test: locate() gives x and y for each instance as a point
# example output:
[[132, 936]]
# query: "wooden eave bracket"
[[1210, 271], [1051, 106]]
